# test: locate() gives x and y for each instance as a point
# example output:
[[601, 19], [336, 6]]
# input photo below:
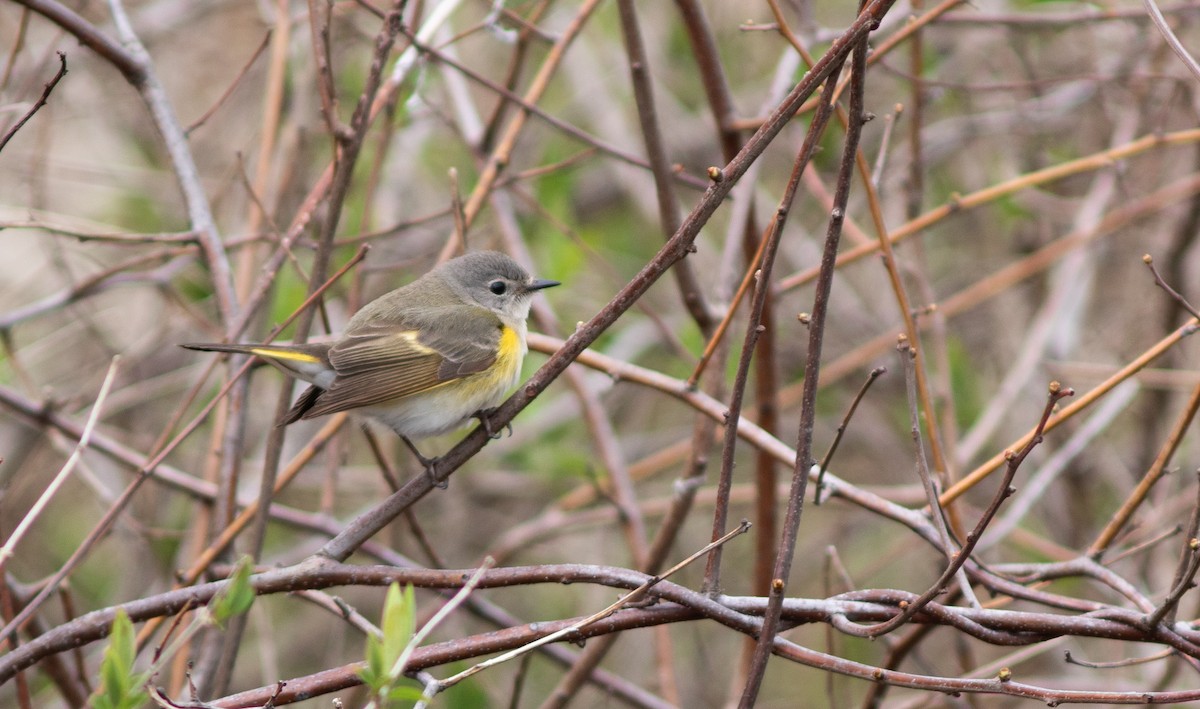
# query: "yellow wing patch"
[[411, 337]]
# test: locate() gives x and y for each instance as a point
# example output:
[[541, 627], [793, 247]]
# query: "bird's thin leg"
[[484, 420], [430, 465]]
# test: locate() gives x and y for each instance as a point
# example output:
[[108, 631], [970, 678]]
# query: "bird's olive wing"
[[380, 363]]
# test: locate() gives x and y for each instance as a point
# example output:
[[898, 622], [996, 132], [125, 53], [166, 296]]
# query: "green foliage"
[[964, 383], [436, 159], [117, 672], [1011, 213], [120, 686], [290, 292], [464, 695], [384, 669], [618, 233], [141, 212], [237, 596], [400, 115], [193, 290], [399, 621], [555, 457], [555, 191]]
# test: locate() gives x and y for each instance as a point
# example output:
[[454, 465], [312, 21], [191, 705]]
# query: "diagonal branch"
[[676, 249]]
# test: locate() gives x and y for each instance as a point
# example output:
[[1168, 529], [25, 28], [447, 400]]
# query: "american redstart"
[[423, 359]]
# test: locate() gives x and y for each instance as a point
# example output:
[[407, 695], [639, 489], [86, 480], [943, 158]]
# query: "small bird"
[[423, 359]]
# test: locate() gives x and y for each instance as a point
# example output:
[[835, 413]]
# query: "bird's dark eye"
[[498, 287]]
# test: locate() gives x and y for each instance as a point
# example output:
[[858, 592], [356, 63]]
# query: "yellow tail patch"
[[285, 354]]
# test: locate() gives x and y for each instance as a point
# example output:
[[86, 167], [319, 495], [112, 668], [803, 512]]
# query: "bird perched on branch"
[[423, 359]]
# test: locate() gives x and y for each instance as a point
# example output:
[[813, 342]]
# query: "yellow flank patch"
[[285, 354], [510, 344]]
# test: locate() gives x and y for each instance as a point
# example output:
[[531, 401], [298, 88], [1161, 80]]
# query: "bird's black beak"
[[541, 283]]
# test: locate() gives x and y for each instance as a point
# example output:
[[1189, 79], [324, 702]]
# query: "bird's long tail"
[[308, 362]]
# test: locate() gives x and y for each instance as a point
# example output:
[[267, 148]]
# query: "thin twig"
[[1189, 564], [841, 430], [255, 510], [37, 105], [629, 598], [444, 612], [237, 81], [676, 248], [502, 154], [1128, 662], [6, 552], [957, 203], [200, 214], [885, 141], [1068, 412], [762, 291], [1160, 23], [816, 335], [718, 333], [1144, 545], [908, 610], [660, 167], [1158, 280], [456, 208], [320, 17], [908, 360], [594, 143]]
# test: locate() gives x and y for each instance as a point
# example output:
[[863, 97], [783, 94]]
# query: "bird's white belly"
[[447, 407], [436, 411]]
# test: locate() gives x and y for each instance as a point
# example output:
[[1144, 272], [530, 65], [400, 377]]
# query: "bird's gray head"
[[494, 281]]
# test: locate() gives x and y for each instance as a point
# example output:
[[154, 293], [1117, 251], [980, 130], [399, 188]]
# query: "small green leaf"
[[374, 675], [112, 682], [122, 643], [405, 693], [120, 686], [397, 626], [237, 596], [399, 621]]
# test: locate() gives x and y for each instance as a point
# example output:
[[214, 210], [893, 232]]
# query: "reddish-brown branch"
[[676, 248]]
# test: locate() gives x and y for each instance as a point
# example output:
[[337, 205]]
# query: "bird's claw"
[[430, 465], [431, 473], [486, 424]]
